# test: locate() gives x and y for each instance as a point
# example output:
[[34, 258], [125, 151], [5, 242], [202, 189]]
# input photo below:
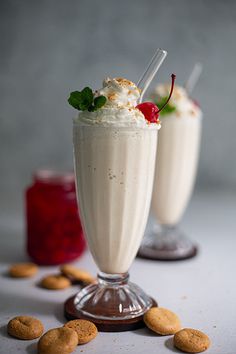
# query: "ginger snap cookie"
[[162, 321], [25, 327], [23, 270], [191, 340], [77, 274], [58, 341], [55, 282], [86, 330]]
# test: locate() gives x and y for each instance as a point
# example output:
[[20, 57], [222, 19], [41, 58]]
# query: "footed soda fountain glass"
[[176, 167], [115, 141], [114, 169]]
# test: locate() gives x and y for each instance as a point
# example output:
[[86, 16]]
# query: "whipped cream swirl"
[[183, 104], [120, 92], [119, 111]]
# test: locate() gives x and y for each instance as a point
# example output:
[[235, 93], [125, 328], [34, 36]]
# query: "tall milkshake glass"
[[176, 167], [114, 156]]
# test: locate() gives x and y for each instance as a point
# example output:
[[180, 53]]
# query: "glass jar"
[[54, 232]]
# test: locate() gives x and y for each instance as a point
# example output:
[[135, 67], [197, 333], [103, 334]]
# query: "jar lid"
[[54, 177]]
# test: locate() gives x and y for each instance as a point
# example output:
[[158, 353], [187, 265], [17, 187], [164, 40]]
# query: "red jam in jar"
[[54, 232]]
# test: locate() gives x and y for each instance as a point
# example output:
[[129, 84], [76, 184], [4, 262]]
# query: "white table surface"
[[202, 291]]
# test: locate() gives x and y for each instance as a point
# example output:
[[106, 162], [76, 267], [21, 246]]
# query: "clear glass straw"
[[151, 71], [193, 78]]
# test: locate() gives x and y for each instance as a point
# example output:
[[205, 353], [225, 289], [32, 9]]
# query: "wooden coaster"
[[71, 313], [165, 254]]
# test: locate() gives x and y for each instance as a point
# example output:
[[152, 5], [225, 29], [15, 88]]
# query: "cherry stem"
[[173, 77]]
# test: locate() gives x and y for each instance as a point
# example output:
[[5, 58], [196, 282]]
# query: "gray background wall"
[[50, 47]]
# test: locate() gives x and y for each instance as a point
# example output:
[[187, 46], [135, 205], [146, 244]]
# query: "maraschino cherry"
[[150, 110]]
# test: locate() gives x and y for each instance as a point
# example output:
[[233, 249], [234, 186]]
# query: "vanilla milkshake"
[[114, 155], [115, 143], [177, 155]]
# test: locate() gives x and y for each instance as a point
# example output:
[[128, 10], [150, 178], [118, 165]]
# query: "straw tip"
[[163, 51]]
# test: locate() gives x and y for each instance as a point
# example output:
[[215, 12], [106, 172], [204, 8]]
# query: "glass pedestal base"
[[166, 243], [113, 304]]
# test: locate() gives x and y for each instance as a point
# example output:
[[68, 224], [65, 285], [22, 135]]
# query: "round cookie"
[[55, 282], [191, 340], [23, 270], [58, 341], [76, 274], [25, 327], [162, 321], [85, 330]]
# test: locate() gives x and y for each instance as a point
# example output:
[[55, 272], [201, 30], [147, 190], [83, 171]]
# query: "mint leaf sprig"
[[85, 101], [169, 108]]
